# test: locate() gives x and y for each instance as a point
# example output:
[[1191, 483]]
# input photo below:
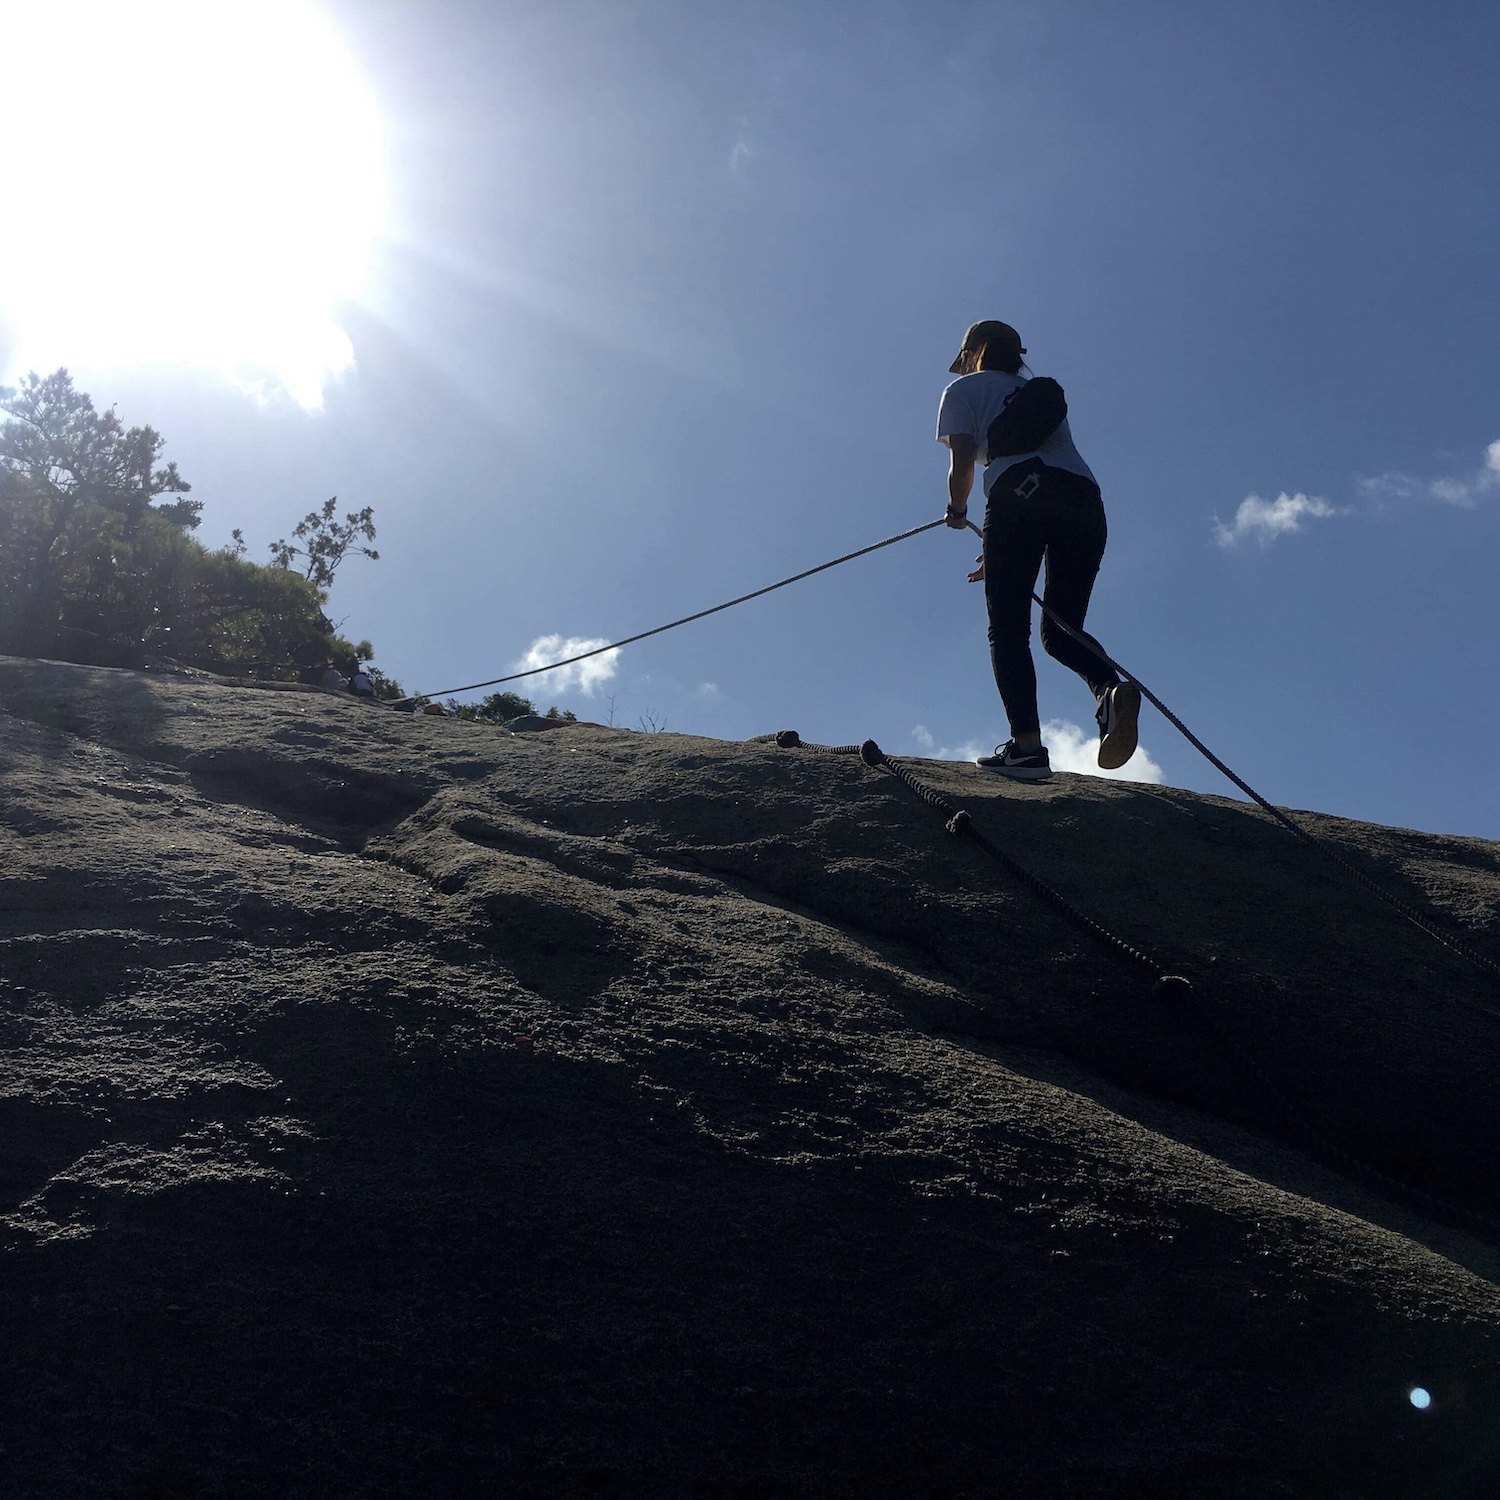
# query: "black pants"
[[1059, 517]]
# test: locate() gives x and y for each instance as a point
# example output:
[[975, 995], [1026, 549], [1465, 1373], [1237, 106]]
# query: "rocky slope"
[[395, 1106]]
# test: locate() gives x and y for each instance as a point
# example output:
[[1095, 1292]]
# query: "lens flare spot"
[[1420, 1398]]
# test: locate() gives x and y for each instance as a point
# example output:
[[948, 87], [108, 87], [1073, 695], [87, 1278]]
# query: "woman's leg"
[[1013, 547], [1076, 534]]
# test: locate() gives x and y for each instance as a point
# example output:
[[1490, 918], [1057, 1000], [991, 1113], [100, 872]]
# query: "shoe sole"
[[1018, 773], [1120, 743]]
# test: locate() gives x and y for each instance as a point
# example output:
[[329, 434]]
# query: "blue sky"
[[666, 295]]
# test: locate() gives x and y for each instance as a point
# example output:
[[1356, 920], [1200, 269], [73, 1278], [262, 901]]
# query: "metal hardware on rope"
[[702, 614]]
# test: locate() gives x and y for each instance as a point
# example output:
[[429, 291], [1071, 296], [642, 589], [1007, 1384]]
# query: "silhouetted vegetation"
[[98, 566], [326, 542], [499, 707]]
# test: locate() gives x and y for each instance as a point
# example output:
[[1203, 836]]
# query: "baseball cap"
[[987, 331]]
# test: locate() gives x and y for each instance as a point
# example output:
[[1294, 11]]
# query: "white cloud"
[[1070, 749], [929, 749], [1268, 519], [585, 676], [1466, 492], [1452, 490], [1390, 485], [969, 750]]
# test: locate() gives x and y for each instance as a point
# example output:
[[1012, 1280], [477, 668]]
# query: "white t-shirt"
[[972, 402]]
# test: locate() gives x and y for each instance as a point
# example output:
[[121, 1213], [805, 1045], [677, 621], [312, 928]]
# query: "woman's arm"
[[961, 451]]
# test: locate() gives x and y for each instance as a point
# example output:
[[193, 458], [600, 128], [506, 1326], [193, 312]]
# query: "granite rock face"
[[392, 1106]]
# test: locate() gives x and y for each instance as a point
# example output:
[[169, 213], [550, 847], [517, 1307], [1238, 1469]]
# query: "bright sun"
[[187, 181]]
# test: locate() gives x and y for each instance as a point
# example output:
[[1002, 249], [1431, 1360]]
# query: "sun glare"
[[188, 182]]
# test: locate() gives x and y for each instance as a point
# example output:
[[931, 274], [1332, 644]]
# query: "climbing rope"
[[1374, 887], [960, 824], [1320, 1139], [1365, 881], [1174, 989], [702, 614]]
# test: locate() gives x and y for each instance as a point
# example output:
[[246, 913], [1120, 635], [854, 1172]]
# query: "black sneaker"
[[1024, 765], [1118, 711]]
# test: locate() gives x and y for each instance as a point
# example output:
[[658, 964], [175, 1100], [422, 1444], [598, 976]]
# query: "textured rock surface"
[[394, 1106]]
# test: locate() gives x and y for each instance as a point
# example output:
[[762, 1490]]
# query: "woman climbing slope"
[[1042, 503]]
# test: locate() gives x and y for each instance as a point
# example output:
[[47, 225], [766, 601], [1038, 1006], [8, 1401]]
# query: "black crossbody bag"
[[1034, 412]]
